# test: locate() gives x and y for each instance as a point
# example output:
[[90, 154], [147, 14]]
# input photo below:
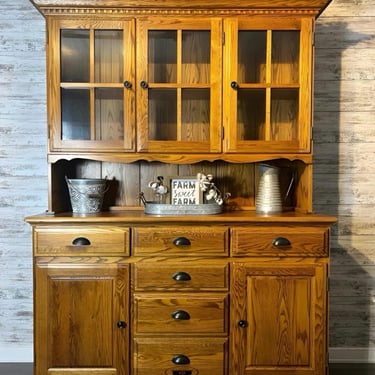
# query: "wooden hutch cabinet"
[[143, 88]]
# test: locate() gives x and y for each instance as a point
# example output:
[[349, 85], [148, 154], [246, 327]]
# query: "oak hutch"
[[142, 88]]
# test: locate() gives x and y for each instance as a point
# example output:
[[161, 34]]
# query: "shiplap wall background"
[[344, 173], [344, 179]]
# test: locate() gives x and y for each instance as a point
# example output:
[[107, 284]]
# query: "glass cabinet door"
[[267, 85], [93, 74], [179, 91]]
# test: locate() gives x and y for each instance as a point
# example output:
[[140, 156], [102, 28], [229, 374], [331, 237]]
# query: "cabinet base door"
[[278, 319], [81, 318]]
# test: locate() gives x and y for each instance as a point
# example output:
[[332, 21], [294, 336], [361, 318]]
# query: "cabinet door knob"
[[144, 84], [181, 241], [181, 276], [242, 323], [180, 359], [81, 241], [234, 85], [281, 242], [181, 315], [121, 324], [127, 84]]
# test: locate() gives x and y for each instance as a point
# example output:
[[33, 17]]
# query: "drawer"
[[181, 240], [184, 314], [180, 276], [280, 241], [84, 240], [180, 356]]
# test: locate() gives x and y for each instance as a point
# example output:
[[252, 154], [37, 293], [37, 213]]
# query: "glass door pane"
[[75, 114], [162, 113], [285, 57], [92, 58], [108, 56], [195, 112], [75, 55], [252, 50], [162, 56], [181, 60], [196, 51], [109, 117], [251, 114], [284, 114]]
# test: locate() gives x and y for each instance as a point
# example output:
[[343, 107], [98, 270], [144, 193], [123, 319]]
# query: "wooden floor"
[[334, 369]]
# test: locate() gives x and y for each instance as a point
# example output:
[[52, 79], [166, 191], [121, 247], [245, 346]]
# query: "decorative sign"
[[185, 191]]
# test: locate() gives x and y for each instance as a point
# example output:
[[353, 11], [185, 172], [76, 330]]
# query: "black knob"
[[127, 84], [81, 241], [181, 276], [242, 323], [144, 84], [180, 359], [181, 241], [234, 85], [121, 324], [281, 242], [181, 315]]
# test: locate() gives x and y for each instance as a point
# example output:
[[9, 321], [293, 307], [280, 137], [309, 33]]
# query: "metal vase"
[[268, 199]]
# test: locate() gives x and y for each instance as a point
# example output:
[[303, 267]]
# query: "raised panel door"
[[81, 318], [278, 319]]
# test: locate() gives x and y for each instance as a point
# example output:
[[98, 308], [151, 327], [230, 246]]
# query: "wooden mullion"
[[179, 85], [267, 134], [92, 79]]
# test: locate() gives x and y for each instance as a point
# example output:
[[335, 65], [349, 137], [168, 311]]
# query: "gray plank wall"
[[344, 174], [23, 170], [345, 167]]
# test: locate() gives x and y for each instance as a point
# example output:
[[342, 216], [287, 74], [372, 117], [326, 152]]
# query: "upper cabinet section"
[[157, 80], [90, 96], [267, 84], [179, 65]]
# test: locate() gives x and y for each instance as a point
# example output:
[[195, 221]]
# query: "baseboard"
[[19, 354], [352, 355]]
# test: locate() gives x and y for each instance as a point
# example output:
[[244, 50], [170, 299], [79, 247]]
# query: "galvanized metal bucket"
[[86, 195]]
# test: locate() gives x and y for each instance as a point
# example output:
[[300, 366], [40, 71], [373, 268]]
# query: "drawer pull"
[[181, 241], [181, 315], [181, 276], [281, 242], [180, 359], [81, 241]]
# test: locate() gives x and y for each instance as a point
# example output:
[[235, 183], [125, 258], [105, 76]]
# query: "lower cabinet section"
[[232, 312], [81, 318], [180, 356]]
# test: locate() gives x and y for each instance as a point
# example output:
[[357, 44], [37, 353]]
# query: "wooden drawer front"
[[181, 241], [181, 314], [159, 356], [279, 241], [81, 240], [180, 276]]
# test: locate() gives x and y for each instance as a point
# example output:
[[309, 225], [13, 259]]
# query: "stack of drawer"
[[180, 300]]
